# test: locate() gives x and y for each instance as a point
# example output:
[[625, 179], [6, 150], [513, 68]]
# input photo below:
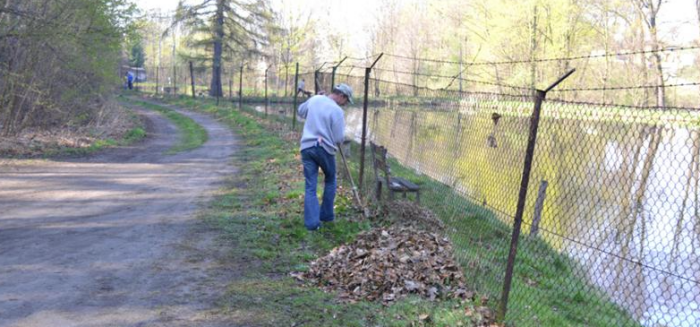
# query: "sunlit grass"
[[264, 219]]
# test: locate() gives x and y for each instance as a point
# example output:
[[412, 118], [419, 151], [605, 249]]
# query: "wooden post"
[[539, 206]]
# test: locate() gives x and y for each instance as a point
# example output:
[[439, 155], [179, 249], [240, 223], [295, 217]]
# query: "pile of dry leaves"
[[409, 214], [388, 264]]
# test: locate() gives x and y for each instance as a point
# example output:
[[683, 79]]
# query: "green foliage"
[[223, 28], [134, 135], [59, 59], [137, 56]]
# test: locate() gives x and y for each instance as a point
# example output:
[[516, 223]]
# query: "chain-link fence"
[[610, 232]]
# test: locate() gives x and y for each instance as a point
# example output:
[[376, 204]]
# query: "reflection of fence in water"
[[590, 179]]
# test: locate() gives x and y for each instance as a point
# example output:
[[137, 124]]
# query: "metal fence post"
[[175, 79], [192, 81], [527, 167], [317, 83], [316, 88], [230, 85], [267, 101], [240, 87], [333, 74], [368, 70], [296, 94], [157, 73]]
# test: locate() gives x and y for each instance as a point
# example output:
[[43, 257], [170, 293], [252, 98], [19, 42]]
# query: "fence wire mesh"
[[611, 230]]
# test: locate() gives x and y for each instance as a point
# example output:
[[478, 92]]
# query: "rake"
[[365, 210]]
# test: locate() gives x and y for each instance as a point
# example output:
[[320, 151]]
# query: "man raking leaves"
[[324, 131]]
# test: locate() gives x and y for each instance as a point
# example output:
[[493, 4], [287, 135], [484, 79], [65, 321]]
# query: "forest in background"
[[621, 49], [62, 59]]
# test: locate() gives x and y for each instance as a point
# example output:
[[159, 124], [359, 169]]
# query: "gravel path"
[[113, 239]]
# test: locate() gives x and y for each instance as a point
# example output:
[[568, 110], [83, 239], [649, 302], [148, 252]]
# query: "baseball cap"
[[345, 89]]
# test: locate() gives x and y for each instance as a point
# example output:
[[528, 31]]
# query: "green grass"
[[134, 135], [260, 214], [192, 135], [547, 287], [265, 220]]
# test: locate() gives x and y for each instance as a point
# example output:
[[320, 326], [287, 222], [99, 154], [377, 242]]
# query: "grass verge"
[[192, 135], [265, 219], [261, 216]]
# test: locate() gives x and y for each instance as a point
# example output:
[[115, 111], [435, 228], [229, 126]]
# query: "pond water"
[[622, 195]]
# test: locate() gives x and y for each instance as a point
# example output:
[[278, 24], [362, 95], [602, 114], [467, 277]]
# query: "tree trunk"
[[649, 10], [215, 88], [660, 89], [533, 50], [606, 39]]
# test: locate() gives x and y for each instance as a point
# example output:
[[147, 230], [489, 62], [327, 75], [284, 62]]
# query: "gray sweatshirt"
[[325, 122]]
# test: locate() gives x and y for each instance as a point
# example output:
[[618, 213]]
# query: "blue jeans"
[[313, 158]]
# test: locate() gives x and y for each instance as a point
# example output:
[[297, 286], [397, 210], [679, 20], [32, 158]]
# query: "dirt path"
[[113, 240]]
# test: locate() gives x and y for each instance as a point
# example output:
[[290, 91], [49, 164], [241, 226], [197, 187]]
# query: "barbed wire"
[[454, 77], [625, 87], [601, 104], [510, 62], [425, 88]]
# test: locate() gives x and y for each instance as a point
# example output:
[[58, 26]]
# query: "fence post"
[[539, 205], [157, 73], [296, 94], [230, 85], [267, 101], [317, 87], [527, 167], [240, 87], [175, 80], [333, 74], [192, 81], [368, 70]]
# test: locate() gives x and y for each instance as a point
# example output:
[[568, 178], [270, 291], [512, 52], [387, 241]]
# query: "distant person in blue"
[[130, 80], [324, 132], [301, 88]]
